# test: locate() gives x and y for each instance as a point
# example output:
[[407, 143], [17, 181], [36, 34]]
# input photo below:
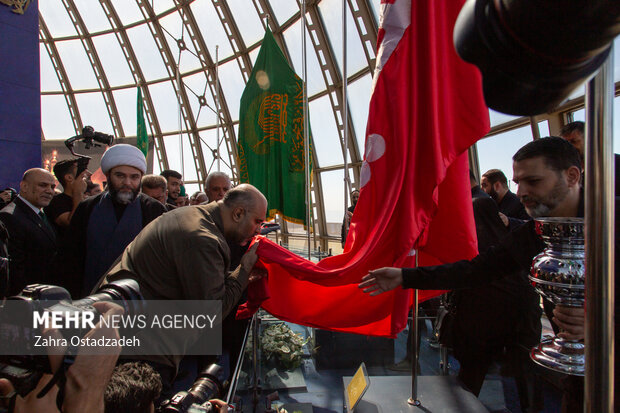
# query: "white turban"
[[123, 154]]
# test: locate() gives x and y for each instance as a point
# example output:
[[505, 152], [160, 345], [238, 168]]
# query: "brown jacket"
[[183, 255]]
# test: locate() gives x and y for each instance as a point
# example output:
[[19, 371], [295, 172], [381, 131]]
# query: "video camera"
[[89, 136], [25, 371], [209, 385]]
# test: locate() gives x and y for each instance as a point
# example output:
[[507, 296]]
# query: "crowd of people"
[[78, 240], [146, 228]]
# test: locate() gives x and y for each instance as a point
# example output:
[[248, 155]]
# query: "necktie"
[[45, 220]]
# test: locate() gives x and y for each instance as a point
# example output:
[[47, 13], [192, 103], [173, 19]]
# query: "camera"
[[209, 385], [89, 136], [24, 371], [13, 194]]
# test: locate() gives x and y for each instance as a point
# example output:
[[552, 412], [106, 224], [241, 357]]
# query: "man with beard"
[[355, 195], [174, 181], [185, 255], [103, 225], [495, 184], [548, 174]]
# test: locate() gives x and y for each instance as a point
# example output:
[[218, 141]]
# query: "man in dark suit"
[[32, 240], [495, 184]]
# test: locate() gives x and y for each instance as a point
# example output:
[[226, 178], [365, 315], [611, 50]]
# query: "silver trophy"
[[558, 274]]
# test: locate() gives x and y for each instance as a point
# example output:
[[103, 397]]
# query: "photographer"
[[133, 388], [7, 196], [86, 379], [72, 175]]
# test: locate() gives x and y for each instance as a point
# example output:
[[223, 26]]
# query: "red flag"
[[426, 109]]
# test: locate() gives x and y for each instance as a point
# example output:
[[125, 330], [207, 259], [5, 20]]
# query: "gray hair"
[[215, 174]]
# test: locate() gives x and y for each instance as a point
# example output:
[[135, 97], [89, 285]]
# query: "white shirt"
[[34, 208]]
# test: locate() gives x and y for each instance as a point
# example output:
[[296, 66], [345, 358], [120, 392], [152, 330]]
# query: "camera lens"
[[124, 292]]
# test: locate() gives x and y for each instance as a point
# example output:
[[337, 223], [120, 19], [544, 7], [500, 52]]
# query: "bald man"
[[32, 241], [184, 254]]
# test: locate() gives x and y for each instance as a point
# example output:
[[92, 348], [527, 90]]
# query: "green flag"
[[271, 133], [142, 141]]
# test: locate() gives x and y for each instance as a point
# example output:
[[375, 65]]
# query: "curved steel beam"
[[234, 37], [208, 68], [50, 46], [367, 29], [95, 63], [264, 10], [138, 76], [186, 109]]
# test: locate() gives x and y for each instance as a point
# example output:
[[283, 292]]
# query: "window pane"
[[208, 142], [359, 101], [94, 112], [160, 6], [146, 51], [173, 151], [113, 60], [292, 36], [333, 196], [55, 117], [126, 102], [56, 18], [543, 128], [247, 21], [174, 31], [49, 79], [375, 5], [496, 152], [212, 30], [324, 133], [498, 118], [93, 15], [232, 86], [331, 12], [128, 11], [284, 9], [77, 65], [166, 106], [195, 87]]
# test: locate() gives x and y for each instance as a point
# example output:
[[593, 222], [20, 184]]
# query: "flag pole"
[[179, 86], [306, 127], [217, 106], [413, 400], [345, 134]]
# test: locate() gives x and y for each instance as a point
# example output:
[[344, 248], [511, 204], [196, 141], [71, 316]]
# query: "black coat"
[[70, 272], [32, 246]]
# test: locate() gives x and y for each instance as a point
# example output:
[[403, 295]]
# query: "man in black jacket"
[[548, 174], [495, 184], [32, 240]]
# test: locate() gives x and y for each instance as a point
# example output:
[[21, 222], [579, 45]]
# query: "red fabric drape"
[[426, 109]]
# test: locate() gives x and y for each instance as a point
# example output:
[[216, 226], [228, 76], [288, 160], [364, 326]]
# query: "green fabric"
[[271, 134], [142, 141]]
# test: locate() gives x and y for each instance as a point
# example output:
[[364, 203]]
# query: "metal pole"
[[534, 127], [179, 86], [599, 226], [347, 180], [217, 106], [255, 364], [306, 127], [235, 377], [413, 400]]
